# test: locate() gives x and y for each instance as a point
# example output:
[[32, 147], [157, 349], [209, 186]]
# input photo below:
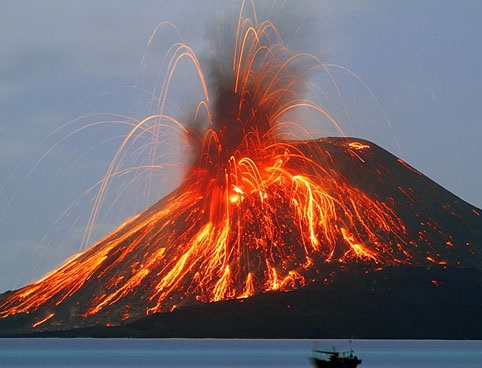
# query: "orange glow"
[[409, 167], [255, 212], [430, 259], [358, 146], [43, 320]]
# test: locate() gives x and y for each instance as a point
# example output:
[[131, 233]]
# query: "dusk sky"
[[406, 75]]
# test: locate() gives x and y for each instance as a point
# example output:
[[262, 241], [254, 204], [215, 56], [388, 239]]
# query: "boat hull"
[[339, 363]]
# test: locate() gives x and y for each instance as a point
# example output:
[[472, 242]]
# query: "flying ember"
[[259, 209]]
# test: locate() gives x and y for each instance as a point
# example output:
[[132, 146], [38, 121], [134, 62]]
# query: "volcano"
[[137, 270], [260, 210]]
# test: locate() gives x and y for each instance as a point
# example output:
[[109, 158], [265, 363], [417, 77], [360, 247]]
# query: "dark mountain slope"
[[163, 259]]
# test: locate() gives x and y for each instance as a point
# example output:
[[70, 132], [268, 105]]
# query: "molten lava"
[[258, 210]]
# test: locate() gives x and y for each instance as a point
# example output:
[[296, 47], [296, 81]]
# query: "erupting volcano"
[[260, 209]]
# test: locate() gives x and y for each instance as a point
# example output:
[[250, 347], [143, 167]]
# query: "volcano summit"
[[260, 210], [161, 259]]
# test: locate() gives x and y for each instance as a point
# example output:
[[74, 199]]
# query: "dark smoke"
[[245, 103]]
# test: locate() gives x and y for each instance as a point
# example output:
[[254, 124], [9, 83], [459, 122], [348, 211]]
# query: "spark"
[[255, 212]]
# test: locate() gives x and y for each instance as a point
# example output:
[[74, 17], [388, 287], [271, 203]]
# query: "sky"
[[403, 74]]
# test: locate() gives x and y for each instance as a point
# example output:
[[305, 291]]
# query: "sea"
[[80, 352]]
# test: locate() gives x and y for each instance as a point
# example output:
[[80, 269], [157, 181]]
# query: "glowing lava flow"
[[266, 228], [256, 212]]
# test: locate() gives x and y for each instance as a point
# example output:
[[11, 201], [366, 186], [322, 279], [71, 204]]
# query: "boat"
[[334, 359]]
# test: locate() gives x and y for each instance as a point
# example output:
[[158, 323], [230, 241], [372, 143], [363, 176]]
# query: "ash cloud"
[[245, 102]]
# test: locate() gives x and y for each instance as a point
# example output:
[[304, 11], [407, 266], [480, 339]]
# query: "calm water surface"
[[231, 353]]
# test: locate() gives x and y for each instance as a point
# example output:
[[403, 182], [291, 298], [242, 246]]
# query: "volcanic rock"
[[113, 282]]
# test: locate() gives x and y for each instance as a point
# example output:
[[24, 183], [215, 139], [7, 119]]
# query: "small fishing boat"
[[334, 359]]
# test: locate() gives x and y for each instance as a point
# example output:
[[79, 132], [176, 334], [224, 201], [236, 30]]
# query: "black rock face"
[[424, 283], [396, 302]]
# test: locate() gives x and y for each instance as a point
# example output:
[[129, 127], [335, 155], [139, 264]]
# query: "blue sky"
[[408, 73]]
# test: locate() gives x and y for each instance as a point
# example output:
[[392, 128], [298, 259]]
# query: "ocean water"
[[232, 352]]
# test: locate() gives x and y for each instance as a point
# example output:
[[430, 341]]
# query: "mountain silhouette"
[[262, 211], [160, 260]]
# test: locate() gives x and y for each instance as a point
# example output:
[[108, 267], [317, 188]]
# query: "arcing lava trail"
[[258, 210]]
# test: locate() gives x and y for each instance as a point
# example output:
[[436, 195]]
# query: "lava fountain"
[[259, 209]]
